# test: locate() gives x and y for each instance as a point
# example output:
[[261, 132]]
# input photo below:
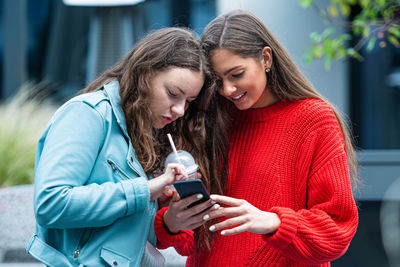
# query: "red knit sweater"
[[288, 158]]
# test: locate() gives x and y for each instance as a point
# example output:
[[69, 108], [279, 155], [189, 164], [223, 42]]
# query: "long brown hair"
[[156, 52], [245, 35]]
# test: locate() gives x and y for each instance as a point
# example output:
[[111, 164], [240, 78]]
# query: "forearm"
[[312, 236], [91, 205]]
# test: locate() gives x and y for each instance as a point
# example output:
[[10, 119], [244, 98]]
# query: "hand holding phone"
[[190, 187], [178, 216]]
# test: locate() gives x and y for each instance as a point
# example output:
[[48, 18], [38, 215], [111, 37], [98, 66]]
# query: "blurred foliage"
[[22, 120], [375, 23]]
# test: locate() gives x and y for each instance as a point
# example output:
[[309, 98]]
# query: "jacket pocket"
[[117, 170], [113, 258]]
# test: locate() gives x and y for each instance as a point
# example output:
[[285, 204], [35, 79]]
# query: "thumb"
[[175, 196], [167, 191]]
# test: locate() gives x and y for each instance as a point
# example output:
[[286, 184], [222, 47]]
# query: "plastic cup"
[[186, 159]]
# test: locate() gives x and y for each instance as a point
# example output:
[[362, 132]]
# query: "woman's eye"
[[238, 75], [171, 93]]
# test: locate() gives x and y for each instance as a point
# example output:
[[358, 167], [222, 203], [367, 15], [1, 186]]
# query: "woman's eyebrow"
[[231, 69]]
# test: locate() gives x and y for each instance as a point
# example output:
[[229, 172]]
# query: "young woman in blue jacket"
[[95, 195]]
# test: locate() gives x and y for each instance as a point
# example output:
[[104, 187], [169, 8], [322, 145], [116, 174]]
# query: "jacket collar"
[[112, 91]]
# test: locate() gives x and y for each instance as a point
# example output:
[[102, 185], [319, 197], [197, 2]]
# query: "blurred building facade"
[[67, 46]]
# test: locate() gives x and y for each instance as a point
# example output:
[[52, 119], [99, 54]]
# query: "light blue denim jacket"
[[91, 200]]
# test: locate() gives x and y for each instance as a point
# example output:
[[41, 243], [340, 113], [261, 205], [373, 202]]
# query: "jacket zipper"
[[116, 170], [85, 237]]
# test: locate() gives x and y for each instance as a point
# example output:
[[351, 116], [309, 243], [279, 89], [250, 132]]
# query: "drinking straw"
[[173, 147]]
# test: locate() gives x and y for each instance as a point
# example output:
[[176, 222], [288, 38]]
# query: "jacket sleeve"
[[183, 242], [65, 157], [322, 230]]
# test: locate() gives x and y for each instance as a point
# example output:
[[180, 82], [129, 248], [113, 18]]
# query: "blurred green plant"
[[376, 23], [22, 120]]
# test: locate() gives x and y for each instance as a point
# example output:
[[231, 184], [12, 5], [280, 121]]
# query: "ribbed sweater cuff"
[[164, 237], [286, 232]]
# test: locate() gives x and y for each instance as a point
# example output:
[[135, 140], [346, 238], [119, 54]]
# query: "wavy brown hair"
[[157, 52], [245, 35]]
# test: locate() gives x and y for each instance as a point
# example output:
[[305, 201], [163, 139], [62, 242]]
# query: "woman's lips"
[[167, 119], [238, 98]]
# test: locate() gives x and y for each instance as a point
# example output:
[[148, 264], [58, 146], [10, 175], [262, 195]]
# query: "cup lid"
[[184, 157], [192, 169]]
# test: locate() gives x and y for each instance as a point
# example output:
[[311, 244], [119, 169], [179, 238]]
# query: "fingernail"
[[212, 228], [199, 196], [223, 233], [217, 207], [206, 217], [213, 202]]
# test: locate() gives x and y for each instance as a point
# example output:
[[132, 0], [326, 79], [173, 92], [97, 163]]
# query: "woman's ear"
[[267, 57]]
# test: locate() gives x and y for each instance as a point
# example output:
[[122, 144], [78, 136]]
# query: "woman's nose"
[[178, 109], [227, 89]]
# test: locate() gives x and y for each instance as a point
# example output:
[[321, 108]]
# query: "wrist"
[[160, 181], [168, 228], [154, 188], [276, 222]]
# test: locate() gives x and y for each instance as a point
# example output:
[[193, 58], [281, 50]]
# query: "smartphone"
[[190, 187]]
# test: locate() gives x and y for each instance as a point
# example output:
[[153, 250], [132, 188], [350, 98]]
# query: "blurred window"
[[375, 100], [58, 37]]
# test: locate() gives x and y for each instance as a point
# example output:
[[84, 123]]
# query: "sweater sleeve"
[[321, 231], [183, 242]]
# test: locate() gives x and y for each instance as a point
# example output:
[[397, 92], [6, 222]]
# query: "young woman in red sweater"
[[284, 197]]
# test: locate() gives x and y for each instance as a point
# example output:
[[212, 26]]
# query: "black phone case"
[[189, 187]]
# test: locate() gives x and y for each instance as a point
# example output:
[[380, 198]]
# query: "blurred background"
[[50, 49]]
